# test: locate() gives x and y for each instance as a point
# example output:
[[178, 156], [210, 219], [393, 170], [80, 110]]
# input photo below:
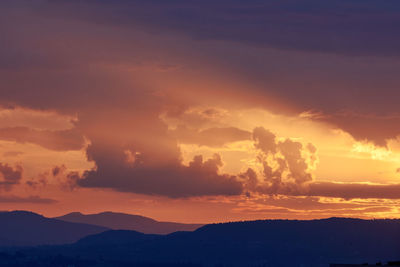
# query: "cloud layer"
[[343, 27], [30, 199], [340, 56], [56, 140]]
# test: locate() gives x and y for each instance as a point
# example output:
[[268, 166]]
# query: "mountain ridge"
[[246, 243], [25, 228], [123, 221]]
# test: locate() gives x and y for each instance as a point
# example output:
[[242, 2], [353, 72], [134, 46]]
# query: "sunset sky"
[[201, 111]]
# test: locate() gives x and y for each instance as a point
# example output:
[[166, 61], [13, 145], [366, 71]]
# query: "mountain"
[[23, 228], [122, 221], [115, 237], [251, 243]]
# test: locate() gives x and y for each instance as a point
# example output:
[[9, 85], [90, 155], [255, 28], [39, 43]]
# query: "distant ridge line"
[[123, 221]]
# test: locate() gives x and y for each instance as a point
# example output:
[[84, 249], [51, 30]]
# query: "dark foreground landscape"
[[26, 237]]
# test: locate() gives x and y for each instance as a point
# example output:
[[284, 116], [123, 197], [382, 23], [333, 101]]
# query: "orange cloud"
[[214, 137], [62, 140], [354, 190]]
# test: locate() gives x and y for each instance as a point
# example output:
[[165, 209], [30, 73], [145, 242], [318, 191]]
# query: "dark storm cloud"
[[325, 56], [133, 152], [55, 140], [367, 127], [338, 26], [65, 65], [199, 178]]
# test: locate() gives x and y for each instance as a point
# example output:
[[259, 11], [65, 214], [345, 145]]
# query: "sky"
[[201, 111]]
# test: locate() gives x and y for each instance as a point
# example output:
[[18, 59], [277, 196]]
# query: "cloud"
[[30, 199], [377, 129], [309, 203], [12, 153], [340, 27], [320, 213], [133, 151], [354, 190], [55, 140], [57, 170], [199, 178], [264, 140], [14, 116], [327, 189], [213, 137], [9, 176], [285, 168], [259, 43], [40, 180], [286, 171], [98, 79], [316, 207], [198, 117]]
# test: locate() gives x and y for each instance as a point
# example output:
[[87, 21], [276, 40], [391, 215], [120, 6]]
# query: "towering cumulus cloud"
[[286, 164], [143, 158]]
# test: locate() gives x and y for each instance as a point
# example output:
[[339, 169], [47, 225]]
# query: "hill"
[[122, 221], [115, 237], [253, 243], [23, 228]]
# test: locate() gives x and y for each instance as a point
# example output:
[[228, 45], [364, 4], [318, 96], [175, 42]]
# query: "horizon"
[[200, 223], [201, 112]]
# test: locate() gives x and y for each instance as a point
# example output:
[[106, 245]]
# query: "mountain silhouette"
[[122, 221], [23, 228], [115, 237], [251, 243]]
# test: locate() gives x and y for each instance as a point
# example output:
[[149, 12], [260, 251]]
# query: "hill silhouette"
[[252, 243], [115, 237], [122, 221], [23, 228]]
